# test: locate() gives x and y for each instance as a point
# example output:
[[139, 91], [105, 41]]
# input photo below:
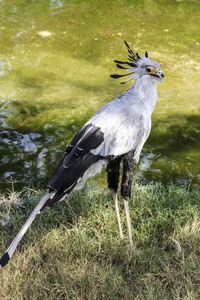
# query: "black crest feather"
[[133, 65], [118, 76], [138, 56], [121, 67], [120, 62], [127, 45], [133, 59]]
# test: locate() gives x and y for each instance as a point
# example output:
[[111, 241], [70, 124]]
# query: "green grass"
[[73, 251]]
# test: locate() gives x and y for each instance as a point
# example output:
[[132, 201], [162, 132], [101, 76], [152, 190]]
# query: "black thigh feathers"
[[75, 163], [113, 173], [129, 165], [113, 170]]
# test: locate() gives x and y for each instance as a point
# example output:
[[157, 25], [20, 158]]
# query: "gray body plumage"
[[119, 128], [125, 123]]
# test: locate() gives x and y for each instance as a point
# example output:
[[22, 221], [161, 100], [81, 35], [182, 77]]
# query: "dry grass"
[[73, 251]]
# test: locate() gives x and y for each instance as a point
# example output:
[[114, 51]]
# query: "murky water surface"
[[55, 61]]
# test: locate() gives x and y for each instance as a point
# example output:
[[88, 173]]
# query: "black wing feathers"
[[76, 161], [77, 138], [89, 139]]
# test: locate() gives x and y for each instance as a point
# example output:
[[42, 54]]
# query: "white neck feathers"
[[144, 92]]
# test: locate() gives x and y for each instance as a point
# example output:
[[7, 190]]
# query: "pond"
[[55, 60]]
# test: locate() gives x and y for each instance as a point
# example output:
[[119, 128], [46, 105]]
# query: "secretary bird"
[[115, 133]]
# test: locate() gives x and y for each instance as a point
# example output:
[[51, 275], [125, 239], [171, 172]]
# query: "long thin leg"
[[114, 195], [113, 181], [129, 165], [128, 221]]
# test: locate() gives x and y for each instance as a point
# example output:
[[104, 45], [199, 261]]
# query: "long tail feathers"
[[9, 252]]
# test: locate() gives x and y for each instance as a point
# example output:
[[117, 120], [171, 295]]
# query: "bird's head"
[[138, 67]]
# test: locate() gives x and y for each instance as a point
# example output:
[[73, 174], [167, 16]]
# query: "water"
[[55, 61]]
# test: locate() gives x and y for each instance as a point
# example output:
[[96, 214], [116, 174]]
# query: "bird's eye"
[[148, 70]]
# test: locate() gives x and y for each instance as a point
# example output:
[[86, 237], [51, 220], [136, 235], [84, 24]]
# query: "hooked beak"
[[158, 75], [161, 76]]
